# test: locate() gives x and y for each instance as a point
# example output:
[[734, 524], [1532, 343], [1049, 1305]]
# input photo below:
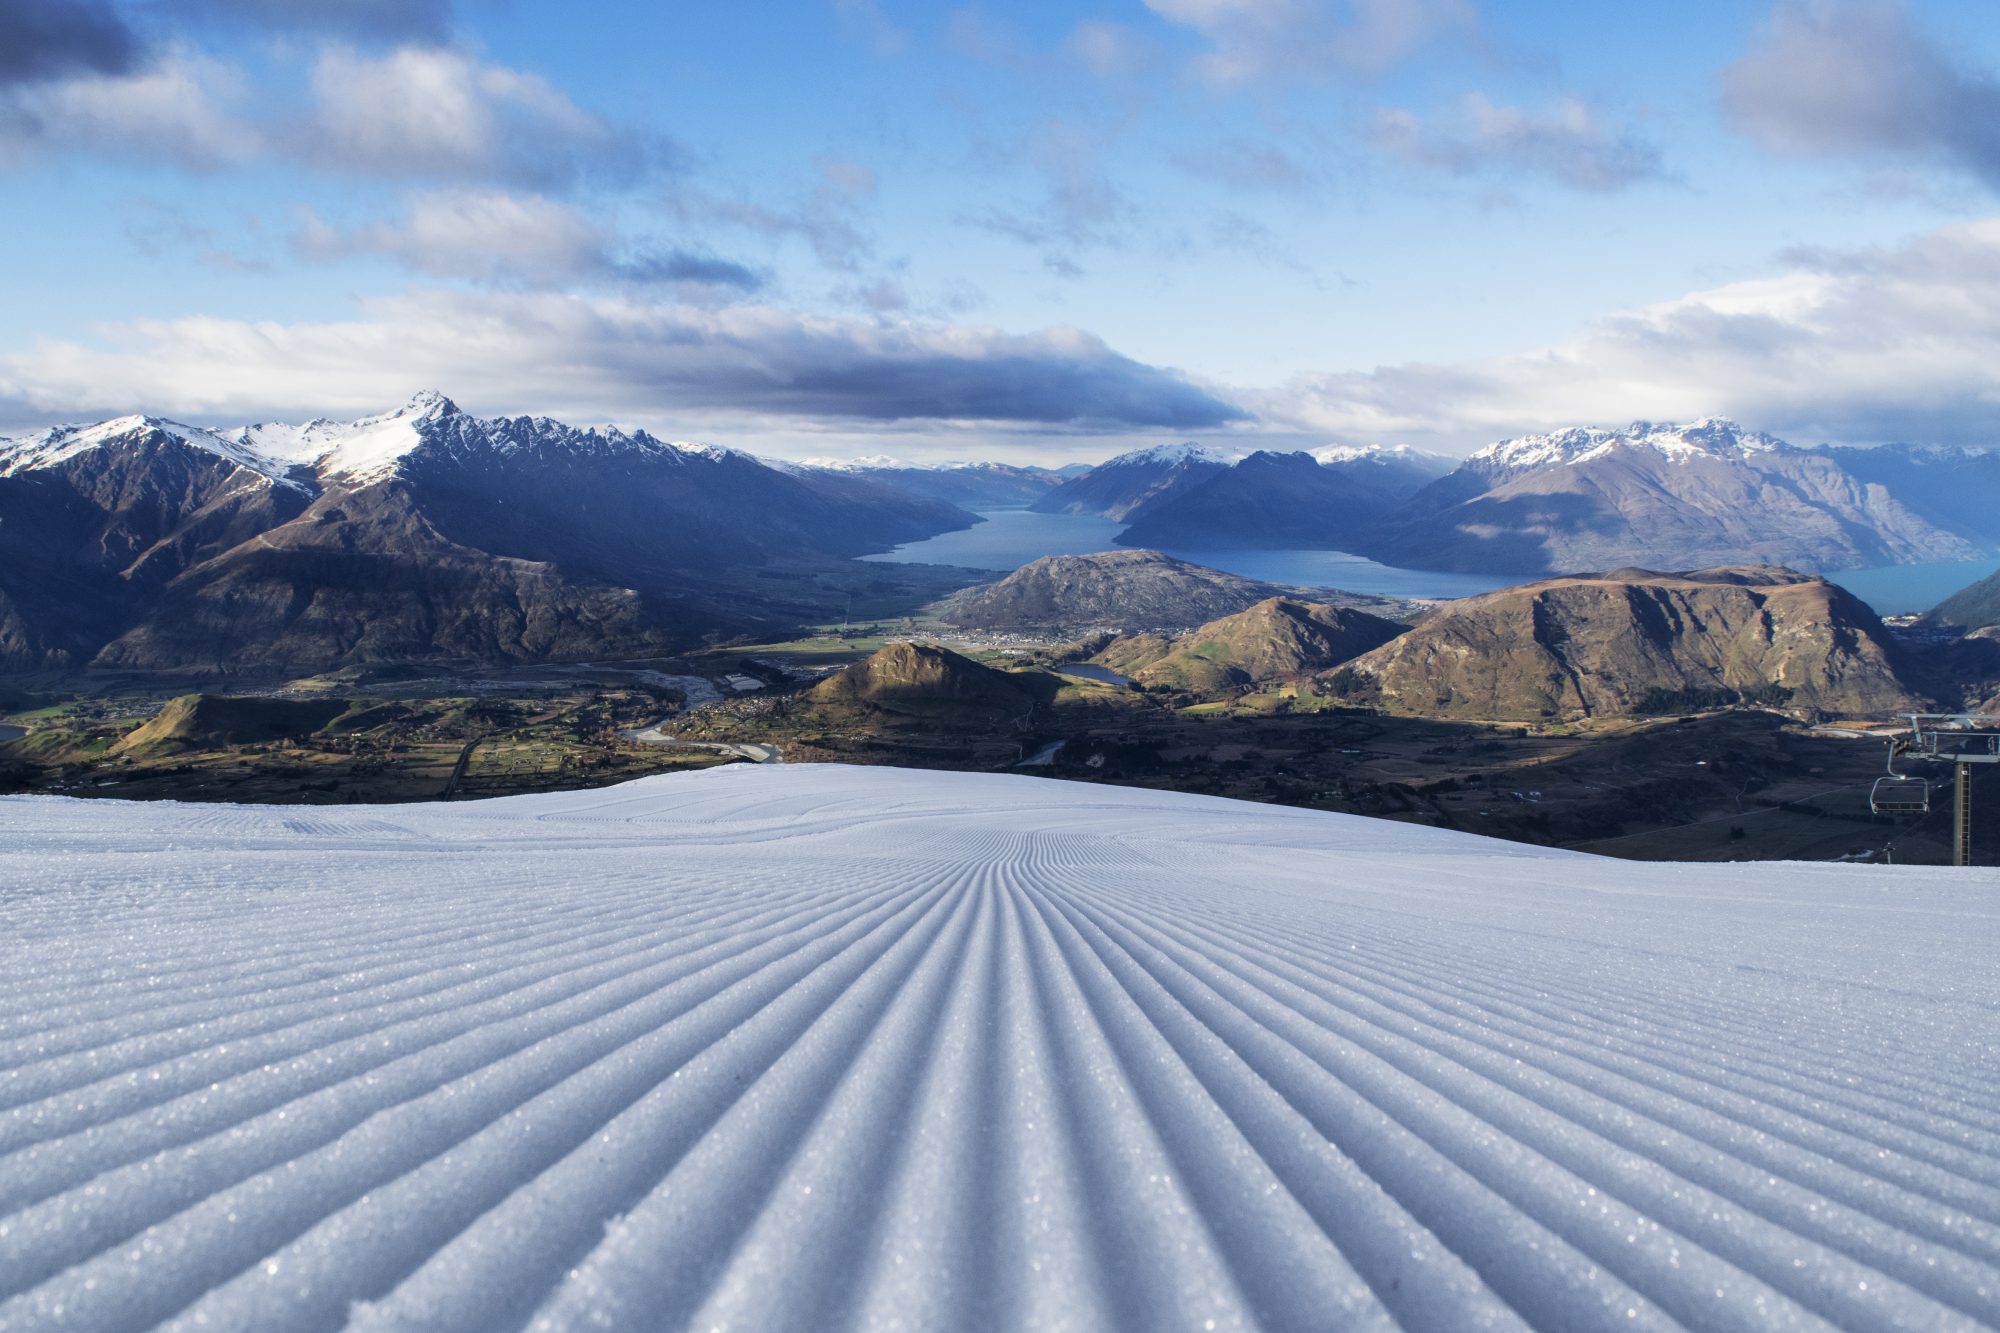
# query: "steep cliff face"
[[1633, 641]]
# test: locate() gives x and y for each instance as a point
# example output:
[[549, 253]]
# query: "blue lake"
[[1895, 590], [1091, 671], [1010, 538]]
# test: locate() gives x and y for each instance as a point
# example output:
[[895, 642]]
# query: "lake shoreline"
[[1010, 538]]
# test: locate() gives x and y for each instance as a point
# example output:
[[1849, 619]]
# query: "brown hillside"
[[1277, 638], [1134, 589], [208, 721], [1634, 641], [913, 677]]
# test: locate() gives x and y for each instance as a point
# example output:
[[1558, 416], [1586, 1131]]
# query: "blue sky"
[[1032, 230]]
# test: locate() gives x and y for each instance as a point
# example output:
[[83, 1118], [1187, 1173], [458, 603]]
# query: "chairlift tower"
[[1958, 739]]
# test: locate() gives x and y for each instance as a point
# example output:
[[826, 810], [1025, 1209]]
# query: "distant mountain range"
[[1950, 485], [1265, 500], [428, 533], [969, 485], [1122, 488], [421, 532], [1655, 495], [1193, 495], [1651, 494]]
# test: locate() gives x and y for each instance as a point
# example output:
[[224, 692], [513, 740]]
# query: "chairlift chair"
[[1899, 795]]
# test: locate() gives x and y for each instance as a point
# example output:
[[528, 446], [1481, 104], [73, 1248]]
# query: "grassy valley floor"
[[1732, 785]]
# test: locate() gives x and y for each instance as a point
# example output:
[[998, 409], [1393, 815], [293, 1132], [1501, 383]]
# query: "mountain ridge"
[[1657, 495], [418, 532]]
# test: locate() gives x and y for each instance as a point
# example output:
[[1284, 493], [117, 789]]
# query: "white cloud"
[[592, 358], [435, 113], [174, 111], [482, 234], [413, 113], [1852, 347], [513, 239], [1567, 143], [1855, 78], [1255, 42]]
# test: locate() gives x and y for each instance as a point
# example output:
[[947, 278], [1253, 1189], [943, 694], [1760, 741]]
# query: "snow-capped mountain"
[[1708, 438], [350, 453], [1396, 471], [1386, 455], [1124, 487], [416, 532], [972, 485], [1953, 486], [1655, 495], [57, 445], [1171, 455], [430, 425]]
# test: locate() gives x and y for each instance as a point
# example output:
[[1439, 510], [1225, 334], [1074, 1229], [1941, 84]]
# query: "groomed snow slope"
[[819, 1048]]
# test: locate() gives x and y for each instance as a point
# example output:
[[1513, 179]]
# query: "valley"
[[1716, 784], [414, 601]]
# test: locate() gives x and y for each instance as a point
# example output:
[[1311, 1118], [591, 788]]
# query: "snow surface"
[[823, 1047], [1710, 437]]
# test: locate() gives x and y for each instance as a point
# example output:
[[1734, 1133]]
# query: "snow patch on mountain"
[[354, 453], [1403, 455], [59, 444], [1710, 437], [885, 463], [1172, 455]]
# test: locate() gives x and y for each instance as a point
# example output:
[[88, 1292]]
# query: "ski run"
[[818, 1048]]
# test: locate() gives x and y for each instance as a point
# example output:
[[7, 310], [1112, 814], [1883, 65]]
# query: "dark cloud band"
[[49, 39]]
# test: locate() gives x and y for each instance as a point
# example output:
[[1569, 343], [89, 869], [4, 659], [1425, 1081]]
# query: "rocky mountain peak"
[[428, 403]]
